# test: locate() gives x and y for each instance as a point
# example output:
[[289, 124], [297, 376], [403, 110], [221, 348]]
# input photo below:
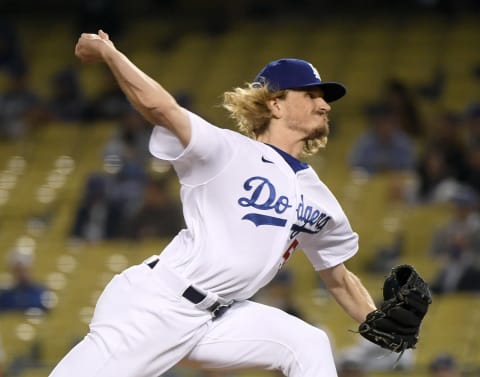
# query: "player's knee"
[[314, 343], [310, 354]]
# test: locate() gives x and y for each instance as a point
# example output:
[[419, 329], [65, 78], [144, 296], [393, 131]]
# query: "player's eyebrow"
[[315, 91]]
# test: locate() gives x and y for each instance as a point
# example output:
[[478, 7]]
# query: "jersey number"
[[288, 253]]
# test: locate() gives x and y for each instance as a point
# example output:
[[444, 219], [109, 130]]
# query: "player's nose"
[[323, 105]]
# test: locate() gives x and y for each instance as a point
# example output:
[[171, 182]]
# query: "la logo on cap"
[[315, 72]]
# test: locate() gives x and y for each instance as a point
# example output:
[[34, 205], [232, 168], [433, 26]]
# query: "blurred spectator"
[[127, 189], [350, 368], [444, 365], [442, 165], [109, 103], [20, 108], [131, 139], [24, 293], [160, 214], [11, 55], [384, 147], [67, 102], [94, 219], [373, 358], [448, 137], [398, 96], [435, 180], [109, 199], [112, 198], [457, 247]]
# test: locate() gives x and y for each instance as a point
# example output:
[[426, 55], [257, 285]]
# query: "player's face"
[[306, 112]]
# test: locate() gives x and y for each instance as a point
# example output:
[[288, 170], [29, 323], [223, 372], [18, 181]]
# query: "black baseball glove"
[[396, 323]]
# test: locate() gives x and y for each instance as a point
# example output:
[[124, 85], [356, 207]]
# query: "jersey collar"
[[294, 163]]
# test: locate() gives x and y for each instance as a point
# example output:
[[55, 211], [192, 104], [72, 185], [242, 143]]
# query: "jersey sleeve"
[[208, 152], [337, 244]]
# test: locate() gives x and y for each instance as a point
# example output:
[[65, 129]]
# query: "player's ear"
[[274, 107]]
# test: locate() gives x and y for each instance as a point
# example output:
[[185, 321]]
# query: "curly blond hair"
[[248, 107]]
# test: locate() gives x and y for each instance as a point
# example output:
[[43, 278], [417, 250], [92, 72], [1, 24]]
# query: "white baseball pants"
[[142, 327]]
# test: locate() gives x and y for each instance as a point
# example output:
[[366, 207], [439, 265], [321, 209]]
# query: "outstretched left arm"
[[348, 291]]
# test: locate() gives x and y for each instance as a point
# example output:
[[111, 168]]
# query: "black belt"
[[195, 296]]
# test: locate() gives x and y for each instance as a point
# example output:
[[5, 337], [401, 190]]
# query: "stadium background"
[[204, 48]]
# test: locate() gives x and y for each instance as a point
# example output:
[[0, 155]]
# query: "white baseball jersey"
[[247, 207]]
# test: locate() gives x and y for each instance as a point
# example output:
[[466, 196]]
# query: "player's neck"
[[284, 140]]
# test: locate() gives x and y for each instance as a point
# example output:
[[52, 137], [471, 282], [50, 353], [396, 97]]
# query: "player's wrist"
[[108, 52]]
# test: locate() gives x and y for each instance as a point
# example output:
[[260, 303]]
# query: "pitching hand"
[[90, 48]]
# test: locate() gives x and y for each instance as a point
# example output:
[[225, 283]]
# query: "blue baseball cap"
[[291, 73]]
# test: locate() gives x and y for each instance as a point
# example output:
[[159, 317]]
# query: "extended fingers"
[[103, 35]]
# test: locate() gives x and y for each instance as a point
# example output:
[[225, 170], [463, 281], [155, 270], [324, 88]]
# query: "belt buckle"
[[220, 309]]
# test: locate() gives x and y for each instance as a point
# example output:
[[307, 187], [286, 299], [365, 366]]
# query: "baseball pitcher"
[[249, 203]]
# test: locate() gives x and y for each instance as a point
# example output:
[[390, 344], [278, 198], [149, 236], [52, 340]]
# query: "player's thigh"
[[138, 329], [252, 335]]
